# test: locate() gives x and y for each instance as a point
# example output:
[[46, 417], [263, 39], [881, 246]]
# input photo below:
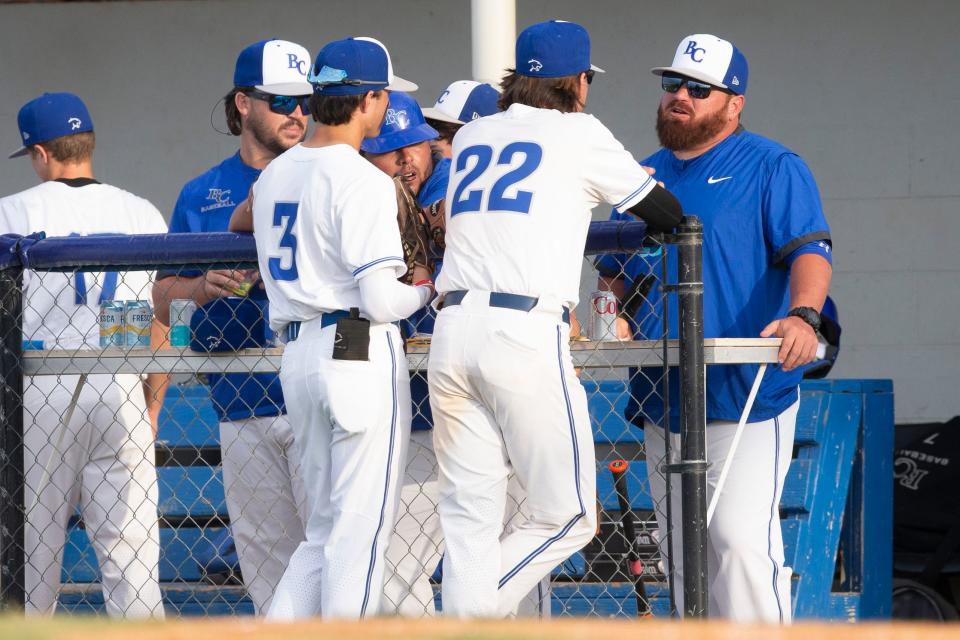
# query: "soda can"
[[602, 323], [137, 317], [111, 324], [180, 313]]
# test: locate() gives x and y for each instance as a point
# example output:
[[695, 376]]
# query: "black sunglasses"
[[589, 73], [698, 90], [284, 105]]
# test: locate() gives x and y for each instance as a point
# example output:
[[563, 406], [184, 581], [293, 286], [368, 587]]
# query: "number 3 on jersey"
[[466, 200], [284, 215]]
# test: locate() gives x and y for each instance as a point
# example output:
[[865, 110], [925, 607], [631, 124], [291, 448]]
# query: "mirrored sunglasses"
[[697, 90], [284, 105]]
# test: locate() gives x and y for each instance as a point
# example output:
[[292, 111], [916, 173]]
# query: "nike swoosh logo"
[[712, 180]]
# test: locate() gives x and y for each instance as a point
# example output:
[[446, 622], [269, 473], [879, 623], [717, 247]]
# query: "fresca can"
[[111, 324], [602, 324], [137, 317], [180, 313]]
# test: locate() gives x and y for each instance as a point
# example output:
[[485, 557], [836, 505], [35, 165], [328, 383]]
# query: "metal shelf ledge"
[[589, 355]]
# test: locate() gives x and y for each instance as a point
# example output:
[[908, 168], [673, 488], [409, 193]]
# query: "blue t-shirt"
[[205, 205], [433, 189], [758, 203]]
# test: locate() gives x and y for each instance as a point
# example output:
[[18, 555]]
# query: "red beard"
[[683, 136]]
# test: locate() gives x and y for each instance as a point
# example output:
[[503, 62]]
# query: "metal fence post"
[[12, 588], [693, 464]]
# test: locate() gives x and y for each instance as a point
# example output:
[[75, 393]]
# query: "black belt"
[[502, 301], [292, 329]]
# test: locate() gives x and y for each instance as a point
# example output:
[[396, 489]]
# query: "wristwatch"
[[808, 314]]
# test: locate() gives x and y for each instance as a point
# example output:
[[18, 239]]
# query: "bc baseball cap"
[[355, 65], [50, 116], [274, 66], [709, 59], [553, 49], [463, 101], [403, 126]]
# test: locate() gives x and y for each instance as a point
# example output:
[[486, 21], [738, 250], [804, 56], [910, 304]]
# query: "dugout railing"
[[602, 364]]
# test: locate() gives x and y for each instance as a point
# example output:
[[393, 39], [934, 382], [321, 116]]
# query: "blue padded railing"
[[193, 249]]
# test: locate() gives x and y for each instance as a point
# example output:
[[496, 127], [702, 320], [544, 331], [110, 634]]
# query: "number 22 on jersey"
[[466, 200]]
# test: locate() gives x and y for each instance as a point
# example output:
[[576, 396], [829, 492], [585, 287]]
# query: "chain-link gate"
[[100, 512]]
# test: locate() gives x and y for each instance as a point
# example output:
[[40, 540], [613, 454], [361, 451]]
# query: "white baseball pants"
[[505, 398], [265, 499], [103, 461], [747, 579], [417, 544], [351, 422]]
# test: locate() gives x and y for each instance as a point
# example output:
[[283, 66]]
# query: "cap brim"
[[399, 84], [435, 114], [594, 67], [696, 75], [287, 88], [22, 151], [399, 139]]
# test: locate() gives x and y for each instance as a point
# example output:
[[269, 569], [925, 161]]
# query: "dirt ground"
[[66, 628]]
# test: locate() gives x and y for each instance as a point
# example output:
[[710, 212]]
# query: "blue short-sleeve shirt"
[[758, 203], [205, 205]]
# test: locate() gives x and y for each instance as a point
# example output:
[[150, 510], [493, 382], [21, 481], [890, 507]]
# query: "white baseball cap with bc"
[[464, 101], [709, 59], [279, 67]]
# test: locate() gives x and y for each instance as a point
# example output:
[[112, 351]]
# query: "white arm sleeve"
[[384, 299]]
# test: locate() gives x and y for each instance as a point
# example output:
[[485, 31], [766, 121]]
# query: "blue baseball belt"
[[502, 301], [292, 330]]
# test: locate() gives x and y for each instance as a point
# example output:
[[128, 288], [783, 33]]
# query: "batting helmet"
[[403, 126]]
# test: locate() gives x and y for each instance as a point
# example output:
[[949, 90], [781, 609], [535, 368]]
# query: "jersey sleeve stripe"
[[360, 270], [637, 195], [796, 243]]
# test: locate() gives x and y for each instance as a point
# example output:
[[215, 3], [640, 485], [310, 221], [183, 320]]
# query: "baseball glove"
[[436, 215], [413, 232]]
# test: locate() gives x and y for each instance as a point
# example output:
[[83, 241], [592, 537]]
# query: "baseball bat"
[[618, 468]]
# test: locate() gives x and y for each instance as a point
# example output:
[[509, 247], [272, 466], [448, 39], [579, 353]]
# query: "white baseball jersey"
[[103, 459], [323, 218], [522, 186], [55, 309]]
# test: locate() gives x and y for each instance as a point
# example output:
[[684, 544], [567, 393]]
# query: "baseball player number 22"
[[532, 155]]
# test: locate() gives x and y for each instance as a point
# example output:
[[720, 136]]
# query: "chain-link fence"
[[146, 470]]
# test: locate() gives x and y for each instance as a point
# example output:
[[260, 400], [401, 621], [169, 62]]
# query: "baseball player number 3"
[[284, 217]]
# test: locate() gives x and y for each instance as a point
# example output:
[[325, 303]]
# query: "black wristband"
[[808, 314]]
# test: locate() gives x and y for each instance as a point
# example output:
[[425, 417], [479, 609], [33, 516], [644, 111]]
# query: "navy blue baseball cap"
[[274, 66], [709, 59], [463, 101], [403, 126], [355, 65], [50, 116], [553, 49]]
